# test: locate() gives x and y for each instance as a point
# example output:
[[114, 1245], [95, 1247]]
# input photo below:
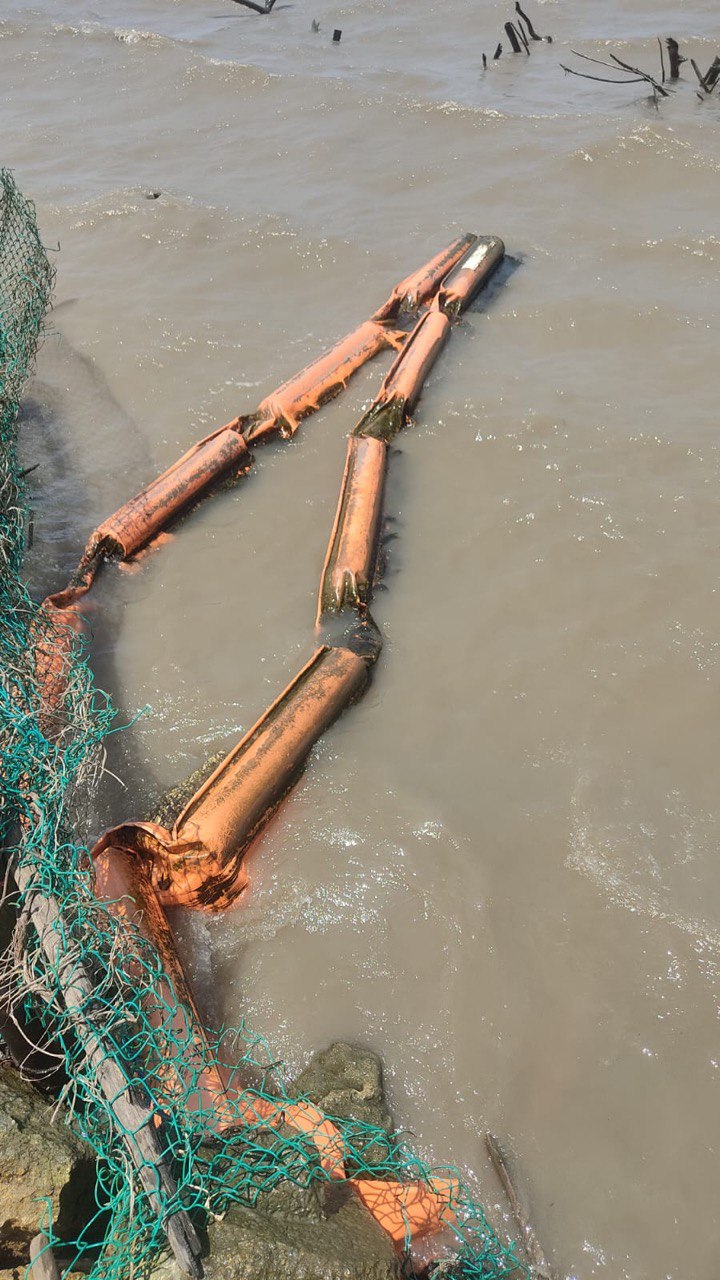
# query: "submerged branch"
[[267, 7], [584, 75], [643, 74], [539, 1263]]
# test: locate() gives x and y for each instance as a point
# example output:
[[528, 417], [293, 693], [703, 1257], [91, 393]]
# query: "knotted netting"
[[95, 984]]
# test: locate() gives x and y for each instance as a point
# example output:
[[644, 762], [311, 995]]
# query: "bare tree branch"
[[604, 79], [636, 71], [533, 33], [267, 7]]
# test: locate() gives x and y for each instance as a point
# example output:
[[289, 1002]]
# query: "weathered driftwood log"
[[540, 1266], [133, 1110]]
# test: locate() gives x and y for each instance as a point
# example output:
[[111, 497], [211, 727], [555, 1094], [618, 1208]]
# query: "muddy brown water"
[[501, 868]]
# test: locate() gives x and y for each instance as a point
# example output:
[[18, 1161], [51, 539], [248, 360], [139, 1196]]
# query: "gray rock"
[[346, 1081], [38, 1158], [343, 1243]]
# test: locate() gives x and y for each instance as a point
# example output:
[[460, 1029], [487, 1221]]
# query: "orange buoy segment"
[[242, 794], [122, 882], [401, 389], [199, 863], [151, 510], [470, 275], [408, 1210], [52, 638], [283, 410], [352, 552], [418, 288]]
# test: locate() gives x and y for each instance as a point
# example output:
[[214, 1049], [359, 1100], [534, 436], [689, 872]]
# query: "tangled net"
[[130, 1008]]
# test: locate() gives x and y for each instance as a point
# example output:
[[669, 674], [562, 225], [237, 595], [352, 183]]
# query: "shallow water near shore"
[[500, 870]]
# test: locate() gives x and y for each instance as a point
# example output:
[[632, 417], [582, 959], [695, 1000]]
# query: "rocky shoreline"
[[292, 1233]]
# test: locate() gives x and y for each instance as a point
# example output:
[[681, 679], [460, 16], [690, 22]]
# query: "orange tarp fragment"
[[408, 1209], [352, 552]]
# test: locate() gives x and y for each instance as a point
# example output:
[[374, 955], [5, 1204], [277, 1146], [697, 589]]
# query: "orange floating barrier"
[[122, 882], [186, 480], [402, 386], [408, 1210], [141, 866], [198, 864], [352, 553], [419, 287], [470, 275], [282, 411], [241, 795]]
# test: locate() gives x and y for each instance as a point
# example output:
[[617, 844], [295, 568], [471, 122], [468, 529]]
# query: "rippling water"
[[501, 869]]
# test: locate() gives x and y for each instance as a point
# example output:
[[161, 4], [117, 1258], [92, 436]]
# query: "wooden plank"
[[132, 1108]]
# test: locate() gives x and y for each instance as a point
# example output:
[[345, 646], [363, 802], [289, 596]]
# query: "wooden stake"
[[132, 1108], [676, 61], [523, 37], [711, 76], [512, 36], [539, 1263]]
